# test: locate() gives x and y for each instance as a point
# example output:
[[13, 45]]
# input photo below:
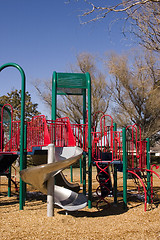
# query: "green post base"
[[9, 182], [84, 173], [71, 170], [115, 184], [80, 163], [89, 204], [124, 169]]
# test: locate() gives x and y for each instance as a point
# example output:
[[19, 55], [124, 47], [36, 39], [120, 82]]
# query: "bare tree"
[[86, 62], [144, 16], [136, 91], [72, 106]]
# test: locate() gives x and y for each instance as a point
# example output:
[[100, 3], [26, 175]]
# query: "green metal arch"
[[22, 155]]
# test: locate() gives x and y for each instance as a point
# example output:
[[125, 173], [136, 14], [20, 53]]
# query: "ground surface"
[[111, 222]]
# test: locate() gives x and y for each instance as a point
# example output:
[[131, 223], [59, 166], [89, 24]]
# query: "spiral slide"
[[39, 175], [39, 157], [62, 182]]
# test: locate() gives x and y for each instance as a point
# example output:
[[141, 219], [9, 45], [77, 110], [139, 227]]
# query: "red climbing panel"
[[80, 132], [60, 132], [41, 132], [136, 148]]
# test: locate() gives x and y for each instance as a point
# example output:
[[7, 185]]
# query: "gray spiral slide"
[[38, 177]]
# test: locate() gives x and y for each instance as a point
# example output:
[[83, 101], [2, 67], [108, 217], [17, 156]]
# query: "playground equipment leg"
[[25, 162], [71, 171], [115, 184], [124, 169], [84, 173], [9, 182], [80, 165], [115, 169], [90, 185], [148, 173], [50, 184], [84, 154]]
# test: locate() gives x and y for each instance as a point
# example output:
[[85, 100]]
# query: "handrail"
[[145, 192]]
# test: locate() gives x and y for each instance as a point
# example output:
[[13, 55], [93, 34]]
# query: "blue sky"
[[43, 36]]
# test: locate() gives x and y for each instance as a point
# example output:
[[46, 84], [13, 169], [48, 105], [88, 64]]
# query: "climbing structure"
[[103, 145], [106, 152], [138, 162]]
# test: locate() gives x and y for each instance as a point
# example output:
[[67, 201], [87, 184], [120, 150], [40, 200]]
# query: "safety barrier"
[[12, 144], [40, 132], [136, 148]]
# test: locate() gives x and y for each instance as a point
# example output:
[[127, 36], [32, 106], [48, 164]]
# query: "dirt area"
[[109, 222]]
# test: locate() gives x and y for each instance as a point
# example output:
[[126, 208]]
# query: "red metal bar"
[[145, 192], [14, 143], [136, 148], [153, 172], [2, 129], [117, 145], [106, 133], [102, 184], [80, 132]]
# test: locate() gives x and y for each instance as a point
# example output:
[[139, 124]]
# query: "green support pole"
[[89, 143], [54, 96], [124, 168], [84, 173], [71, 171], [80, 164], [54, 104], [9, 174], [148, 173], [115, 183], [84, 154], [9, 182], [115, 168], [25, 161], [21, 197]]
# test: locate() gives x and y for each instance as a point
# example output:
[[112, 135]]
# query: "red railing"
[[41, 132], [37, 133], [117, 145], [106, 140], [60, 132], [80, 133], [136, 148], [14, 143]]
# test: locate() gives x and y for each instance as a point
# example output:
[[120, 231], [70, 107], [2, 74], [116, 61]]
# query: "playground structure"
[[124, 150]]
